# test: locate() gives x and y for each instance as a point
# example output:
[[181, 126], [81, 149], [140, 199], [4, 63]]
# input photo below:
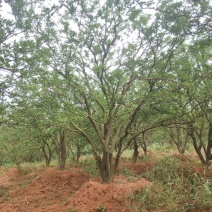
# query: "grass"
[[127, 172], [90, 166], [171, 190], [102, 208], [72, 210]]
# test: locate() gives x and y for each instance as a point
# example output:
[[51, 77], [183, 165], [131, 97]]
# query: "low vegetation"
[[173, 189]]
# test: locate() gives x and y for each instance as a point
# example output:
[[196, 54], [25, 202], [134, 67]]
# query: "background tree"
[[179, 136]]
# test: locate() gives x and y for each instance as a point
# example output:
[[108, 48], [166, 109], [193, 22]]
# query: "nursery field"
[[159, 181], [105, 105]]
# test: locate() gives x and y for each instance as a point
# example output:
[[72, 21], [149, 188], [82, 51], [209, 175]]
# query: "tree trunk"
[[106, 169], [178, 138], [62, 151], [197, 147], [135, 151], [181, 149], [46, 153], [144, 147], [209, 147], [78, 153]]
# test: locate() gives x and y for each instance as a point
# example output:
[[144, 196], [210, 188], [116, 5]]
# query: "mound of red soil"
[[188, 169], [139, 168], [182, 158], [52, 190], [94, 196], [52, 180], [10, 175], [49, 191]]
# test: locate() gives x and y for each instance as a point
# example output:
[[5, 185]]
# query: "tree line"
[[103, 77]]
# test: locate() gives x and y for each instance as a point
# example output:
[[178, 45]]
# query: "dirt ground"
[[52, 190], [49, 189]]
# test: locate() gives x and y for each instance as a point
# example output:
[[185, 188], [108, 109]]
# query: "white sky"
[[5, 11]]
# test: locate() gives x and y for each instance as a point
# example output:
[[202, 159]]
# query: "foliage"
[[90, 166], [107, 72], [16, 147], [172, 189], [127, 172], [165, 170]]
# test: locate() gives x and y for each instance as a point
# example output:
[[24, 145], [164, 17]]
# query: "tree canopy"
[[107, 71]]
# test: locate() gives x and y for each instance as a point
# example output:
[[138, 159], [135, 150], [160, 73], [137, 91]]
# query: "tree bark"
[[144, 147], [106, 168], [78, 153], [62, 151], [46, 153], [209, 147], [135, 151], [197, 147]]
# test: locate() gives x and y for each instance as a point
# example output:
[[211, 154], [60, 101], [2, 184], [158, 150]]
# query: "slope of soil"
[[48, 191], [45, 190], [139, 168], [94, 196]]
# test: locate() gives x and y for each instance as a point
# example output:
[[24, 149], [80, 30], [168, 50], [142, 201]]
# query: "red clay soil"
[[138, 168], [8, 176], [48, 191], [94, 196], [185, 158], [52, 190], [187, 168]]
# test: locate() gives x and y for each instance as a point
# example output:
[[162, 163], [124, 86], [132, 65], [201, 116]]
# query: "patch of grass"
[[34, 165], [90, 166], [158, 147], [144, 158], [172, 191], [53, 163], [30, 166], [127, 172], [102, 208], [127, 155], [3, 171], [72, 210], [27, 170], [164, 171]]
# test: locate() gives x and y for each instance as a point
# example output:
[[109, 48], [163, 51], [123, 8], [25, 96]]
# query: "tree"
[[108, 67], [179, 135], [142, 141], [188, 22], [101, 93]]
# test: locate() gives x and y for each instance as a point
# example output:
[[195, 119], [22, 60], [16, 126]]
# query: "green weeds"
[[102, 208], [172, 191], [90, 166], [127, 172]]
